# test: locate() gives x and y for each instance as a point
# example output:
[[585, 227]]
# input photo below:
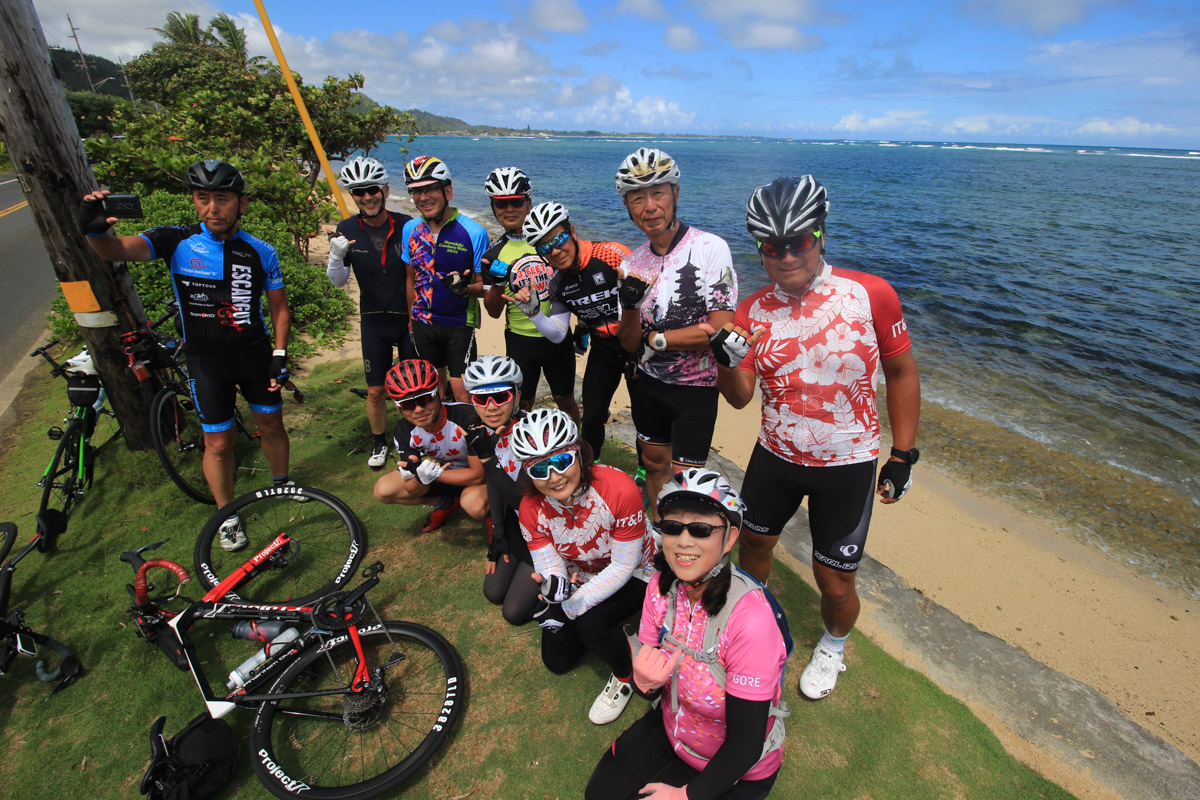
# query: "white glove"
[[408, 476], [429, 471], [338, 247]]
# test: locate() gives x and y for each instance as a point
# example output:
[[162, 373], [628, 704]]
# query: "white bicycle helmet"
[[492, 371], [507, 182], [702, 489], [424, 170], [81, 364], [646, 166], [362, 171], [541, 432], [543, 218], [786, 207]]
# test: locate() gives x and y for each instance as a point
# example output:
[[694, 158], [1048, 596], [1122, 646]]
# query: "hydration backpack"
[[193, 764]]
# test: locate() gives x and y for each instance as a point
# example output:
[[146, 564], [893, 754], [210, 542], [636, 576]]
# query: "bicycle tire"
[[344, 757], [61, 485], [9, 532], [327, 543], [179, 442]]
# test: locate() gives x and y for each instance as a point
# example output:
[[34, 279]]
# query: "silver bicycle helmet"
[[362, 171], [786, 207], [543, 218], [492, 371], [702, 489], [541, 432], [646, 166], [507, 182]]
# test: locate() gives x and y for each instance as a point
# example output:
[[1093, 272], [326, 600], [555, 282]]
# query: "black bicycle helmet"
[[215, 176]]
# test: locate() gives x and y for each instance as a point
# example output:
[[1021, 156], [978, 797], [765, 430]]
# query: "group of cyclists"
[[573, 544]]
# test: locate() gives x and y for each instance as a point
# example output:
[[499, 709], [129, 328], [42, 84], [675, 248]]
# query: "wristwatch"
[[908, 456], [657, 340]]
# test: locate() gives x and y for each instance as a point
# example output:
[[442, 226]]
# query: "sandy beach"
[[1008, 572]]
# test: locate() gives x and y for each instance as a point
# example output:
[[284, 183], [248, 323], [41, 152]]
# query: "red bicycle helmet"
[[411, 376]]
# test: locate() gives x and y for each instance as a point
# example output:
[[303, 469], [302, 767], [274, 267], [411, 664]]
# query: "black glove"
[[729, 348], [278, 370], [895, 478], [479, 442], [631, 290], [456, 282], [582, 338], [550, 616], [556, 588], [92, 218], [498, 547], [408, 458]]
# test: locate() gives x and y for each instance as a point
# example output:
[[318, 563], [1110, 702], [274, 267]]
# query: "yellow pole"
[[308, 126]]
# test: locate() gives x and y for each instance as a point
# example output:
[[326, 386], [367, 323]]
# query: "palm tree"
[[183, 28], [232, 39]]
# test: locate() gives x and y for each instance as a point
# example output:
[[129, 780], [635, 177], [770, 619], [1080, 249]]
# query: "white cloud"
[[683, 37], [994, 125], [793, 11], [895, 121], [647, 9], [113, 32], [1125, 128], [1039, 16], [558, 16], [771, 36]]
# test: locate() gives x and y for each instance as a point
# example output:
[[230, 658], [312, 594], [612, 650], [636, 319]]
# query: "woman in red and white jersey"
[[586, 531]]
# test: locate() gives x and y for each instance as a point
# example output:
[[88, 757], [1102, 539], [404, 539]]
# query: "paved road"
[[26, 277]]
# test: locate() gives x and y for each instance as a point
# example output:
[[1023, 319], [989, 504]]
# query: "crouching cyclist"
[[494, 386], [716, 730]]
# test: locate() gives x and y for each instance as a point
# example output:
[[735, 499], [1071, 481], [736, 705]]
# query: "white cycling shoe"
[[378, 456], [611, 702], [821, 674], [231, 534]]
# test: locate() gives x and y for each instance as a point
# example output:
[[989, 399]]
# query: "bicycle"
[[349, 708], [88, 427], [17, 638]]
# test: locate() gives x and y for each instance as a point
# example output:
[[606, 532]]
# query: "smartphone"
[[124, 206]]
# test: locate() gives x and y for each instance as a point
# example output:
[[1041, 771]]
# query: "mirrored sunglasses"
[[560, 463], [777, 248], [546, 248], [494, 398]]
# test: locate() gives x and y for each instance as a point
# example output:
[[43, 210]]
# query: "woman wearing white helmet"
[[679, 280], [370, 244], [591, 550], [717, 730], [493, 385]]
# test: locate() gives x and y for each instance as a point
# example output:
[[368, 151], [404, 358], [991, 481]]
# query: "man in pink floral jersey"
[[817, 339]]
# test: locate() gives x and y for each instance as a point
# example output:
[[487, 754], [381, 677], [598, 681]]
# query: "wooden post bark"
[[43, 142]]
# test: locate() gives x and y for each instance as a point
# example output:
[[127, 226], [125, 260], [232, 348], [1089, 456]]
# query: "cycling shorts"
[[449, 346], [840, 499], [380, 333], [536, 355], [681, 417], [216, 377]]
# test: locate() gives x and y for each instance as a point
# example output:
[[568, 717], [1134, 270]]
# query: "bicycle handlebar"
[[59, 369], [141, 585]]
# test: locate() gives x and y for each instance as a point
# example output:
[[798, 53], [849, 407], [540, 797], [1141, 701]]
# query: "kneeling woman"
[[586, 531], [707, 738]]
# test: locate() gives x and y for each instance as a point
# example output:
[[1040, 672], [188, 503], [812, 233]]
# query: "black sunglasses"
[[512, 202], [363, 191], [697, 530]]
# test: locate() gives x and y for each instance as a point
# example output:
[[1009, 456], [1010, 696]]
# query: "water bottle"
[[255, 631], [239, 676]]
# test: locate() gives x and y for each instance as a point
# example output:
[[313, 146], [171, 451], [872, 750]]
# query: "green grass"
[[887, 732]]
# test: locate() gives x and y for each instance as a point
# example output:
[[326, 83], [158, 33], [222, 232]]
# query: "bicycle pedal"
[[55, 433]]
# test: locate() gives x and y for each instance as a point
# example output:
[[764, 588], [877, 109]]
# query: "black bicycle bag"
[[193, 764], [83, 390]]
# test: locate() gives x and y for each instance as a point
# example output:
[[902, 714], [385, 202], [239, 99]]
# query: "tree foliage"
[[183, 28], [93, 113]]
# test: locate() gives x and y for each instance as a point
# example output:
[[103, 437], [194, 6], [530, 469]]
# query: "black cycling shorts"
[[449, 346], [536, 355], [216, 377], [381, 333], [682, 417], [840, 499]]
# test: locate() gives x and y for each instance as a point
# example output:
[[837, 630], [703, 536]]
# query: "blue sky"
[[1087, 72]]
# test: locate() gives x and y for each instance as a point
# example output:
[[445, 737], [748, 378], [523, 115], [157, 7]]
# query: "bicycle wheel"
[[327, 542], [62, 482], [179, 441], [8, 537], [359, 745]]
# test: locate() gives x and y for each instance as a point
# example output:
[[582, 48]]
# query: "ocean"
[[1050, 292]]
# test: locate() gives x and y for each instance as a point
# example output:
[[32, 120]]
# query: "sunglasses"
[[363, 191], [560, 463], [697, 530], [511, 202], [546, 248], [493, 399], [776, 248], [417, 400]]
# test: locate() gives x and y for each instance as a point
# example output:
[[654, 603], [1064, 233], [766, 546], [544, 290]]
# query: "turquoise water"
[[1049, 290]]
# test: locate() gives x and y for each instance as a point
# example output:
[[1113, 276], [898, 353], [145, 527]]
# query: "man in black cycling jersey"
[[584, 282], [509, 190], [372, 245], [219, 274]]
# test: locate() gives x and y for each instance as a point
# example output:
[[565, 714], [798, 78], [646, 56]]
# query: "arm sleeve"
[[546, 560], [624, 559], [745, 731], [554, 328], [502, 485], [337, 270]]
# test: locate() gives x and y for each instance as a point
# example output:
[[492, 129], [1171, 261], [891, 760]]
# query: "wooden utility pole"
[[87, 73], [43, 143]]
